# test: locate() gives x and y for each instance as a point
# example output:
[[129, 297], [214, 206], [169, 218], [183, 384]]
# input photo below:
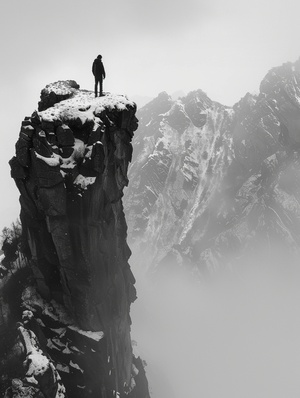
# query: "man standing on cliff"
[[99, 73]]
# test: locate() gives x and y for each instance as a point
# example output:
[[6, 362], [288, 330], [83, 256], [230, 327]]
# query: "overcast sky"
[[223, 47]]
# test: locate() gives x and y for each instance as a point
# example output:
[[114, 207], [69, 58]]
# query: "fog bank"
[[235, 334]]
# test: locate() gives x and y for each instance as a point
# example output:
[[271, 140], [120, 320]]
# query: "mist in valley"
[[234, 333]]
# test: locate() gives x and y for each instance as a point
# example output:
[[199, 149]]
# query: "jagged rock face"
[[71, 167], [209, 181]]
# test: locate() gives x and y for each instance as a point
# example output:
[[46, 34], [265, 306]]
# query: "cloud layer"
[[235, 335]]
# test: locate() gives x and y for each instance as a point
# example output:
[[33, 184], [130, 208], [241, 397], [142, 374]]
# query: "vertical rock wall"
[[70, 168]]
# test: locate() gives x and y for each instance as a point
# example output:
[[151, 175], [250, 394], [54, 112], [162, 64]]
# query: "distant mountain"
[[177, 94], [140, 100], [209, 184]]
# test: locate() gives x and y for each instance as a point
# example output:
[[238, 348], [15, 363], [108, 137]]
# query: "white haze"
[[235, 335]]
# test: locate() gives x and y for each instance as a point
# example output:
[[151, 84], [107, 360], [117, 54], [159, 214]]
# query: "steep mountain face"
[[210, 183], [73, 332]]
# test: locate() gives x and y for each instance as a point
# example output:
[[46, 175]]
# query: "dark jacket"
[[98, 69]]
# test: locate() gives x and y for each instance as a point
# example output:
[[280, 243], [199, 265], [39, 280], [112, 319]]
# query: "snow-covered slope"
[[209, 183]]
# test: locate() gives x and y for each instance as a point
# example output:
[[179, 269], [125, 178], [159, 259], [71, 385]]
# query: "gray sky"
[[223, 47]]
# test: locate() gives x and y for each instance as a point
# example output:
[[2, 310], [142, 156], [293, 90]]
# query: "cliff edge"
[[70, 167]]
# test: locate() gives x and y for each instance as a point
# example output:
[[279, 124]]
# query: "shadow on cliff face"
[[237, 334]]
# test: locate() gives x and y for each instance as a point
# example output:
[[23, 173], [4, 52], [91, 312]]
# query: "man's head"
[[99, 57]]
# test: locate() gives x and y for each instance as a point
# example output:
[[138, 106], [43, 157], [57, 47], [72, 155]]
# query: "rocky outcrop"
[[210, 182], [70, 168]]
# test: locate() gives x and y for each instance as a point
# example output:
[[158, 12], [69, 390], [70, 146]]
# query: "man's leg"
[[101, 87], [96, 86]]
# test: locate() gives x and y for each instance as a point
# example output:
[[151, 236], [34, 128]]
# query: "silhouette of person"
[[99, 73]]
